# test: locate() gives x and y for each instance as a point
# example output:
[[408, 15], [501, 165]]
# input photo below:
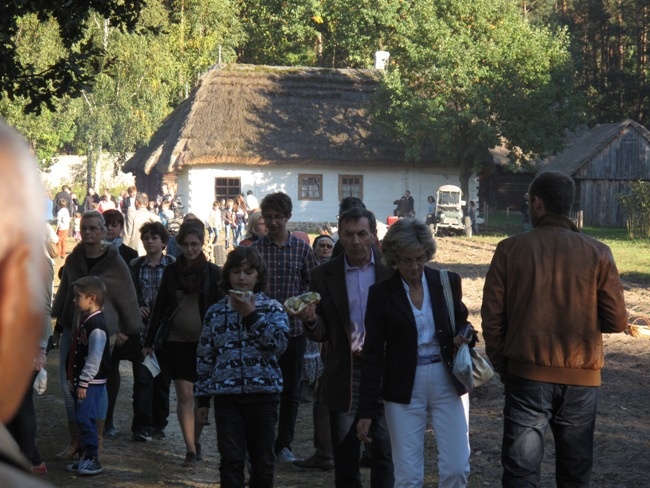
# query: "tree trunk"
[[89, 166], [466, 171]]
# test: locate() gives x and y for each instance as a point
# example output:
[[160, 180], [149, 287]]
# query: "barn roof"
[[261, 115], [589, 144]]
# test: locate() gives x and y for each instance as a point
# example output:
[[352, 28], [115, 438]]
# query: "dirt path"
[[622, 433]]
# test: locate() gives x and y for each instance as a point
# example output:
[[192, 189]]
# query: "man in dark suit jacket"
[[65, 194], [343, 284]]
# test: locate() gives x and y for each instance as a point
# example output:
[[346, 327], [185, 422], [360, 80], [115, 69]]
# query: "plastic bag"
[[463, 367], [40, 382], [470, 368], [481, 368]]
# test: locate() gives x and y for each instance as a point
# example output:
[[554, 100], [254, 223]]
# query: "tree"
[[328, 33], [39, 45], [278, 32], [470, 75], [131, 95], [199, 32], [77, 65], [610, 46], [637, 206], [350, 31]]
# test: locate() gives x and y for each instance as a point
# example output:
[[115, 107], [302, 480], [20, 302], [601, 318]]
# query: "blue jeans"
[[64, 349], [530, 407], [240, 230], [246, 423], [86, 413], [213, 231], [65, 345], [229, 233]]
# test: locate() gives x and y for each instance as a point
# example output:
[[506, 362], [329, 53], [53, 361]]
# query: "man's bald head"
[[22, 268]]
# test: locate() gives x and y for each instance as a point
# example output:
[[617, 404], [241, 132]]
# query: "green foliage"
[[473, 74], [278, 32], [637, 205], [632, 256], [329, 33], [72, 68], [350, 31], [609, 42], [47, 132], [196, 29]]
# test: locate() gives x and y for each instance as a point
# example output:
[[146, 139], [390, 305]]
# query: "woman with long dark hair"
[[187, 289]]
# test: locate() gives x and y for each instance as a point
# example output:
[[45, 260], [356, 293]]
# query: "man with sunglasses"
[[323, 247]]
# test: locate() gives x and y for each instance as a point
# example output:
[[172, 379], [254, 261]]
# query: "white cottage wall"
[[381, 186]]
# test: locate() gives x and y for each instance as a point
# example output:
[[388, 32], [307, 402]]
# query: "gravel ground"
[[622, 437]]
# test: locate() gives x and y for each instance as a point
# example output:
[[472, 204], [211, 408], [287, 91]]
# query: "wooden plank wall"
[[599, 202], [608, 175], [504, 190]]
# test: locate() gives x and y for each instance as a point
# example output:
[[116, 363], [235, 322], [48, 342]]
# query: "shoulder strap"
[[446, 287]]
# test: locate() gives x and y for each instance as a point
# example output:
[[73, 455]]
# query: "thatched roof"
[[589, 144], [260, 115]]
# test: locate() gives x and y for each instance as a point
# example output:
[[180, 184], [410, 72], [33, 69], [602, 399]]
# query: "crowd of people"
[[376, 334]]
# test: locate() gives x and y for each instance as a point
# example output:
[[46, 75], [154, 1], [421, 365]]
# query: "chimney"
[[381, 59]]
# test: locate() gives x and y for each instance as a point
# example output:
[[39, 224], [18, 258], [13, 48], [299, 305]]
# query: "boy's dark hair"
[[112, 216], [92, 285], [193, 227], [556, 190], [350, 202], [155, 229], [354, 214], [253, 259], [278, 201]]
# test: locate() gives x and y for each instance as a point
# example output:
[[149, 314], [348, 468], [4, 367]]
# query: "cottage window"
[[311, 187], [227, 187], [350, 186]]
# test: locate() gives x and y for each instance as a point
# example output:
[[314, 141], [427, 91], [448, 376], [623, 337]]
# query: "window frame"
[[343, 194], [301, 187], [233, 182]]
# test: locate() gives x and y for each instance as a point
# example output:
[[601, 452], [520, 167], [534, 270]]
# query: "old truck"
[[449, 212]]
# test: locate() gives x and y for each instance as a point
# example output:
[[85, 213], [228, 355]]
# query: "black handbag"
[[163, 330]]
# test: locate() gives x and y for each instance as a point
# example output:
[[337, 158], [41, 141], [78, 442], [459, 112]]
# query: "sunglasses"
[[328, 246]]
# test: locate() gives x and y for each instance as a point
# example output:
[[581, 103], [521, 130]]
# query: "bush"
[[637, 205]]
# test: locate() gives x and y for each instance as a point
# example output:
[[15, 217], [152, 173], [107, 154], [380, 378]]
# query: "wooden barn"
[[304, 131], [500, 187], [603, 163]]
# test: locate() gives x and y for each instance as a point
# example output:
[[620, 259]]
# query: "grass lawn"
[[632, 256]]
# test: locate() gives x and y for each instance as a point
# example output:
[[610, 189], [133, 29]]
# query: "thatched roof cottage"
[[305, 131]]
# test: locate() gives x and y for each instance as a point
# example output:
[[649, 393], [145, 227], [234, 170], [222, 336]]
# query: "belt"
[[357, 354], [428, 359]]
